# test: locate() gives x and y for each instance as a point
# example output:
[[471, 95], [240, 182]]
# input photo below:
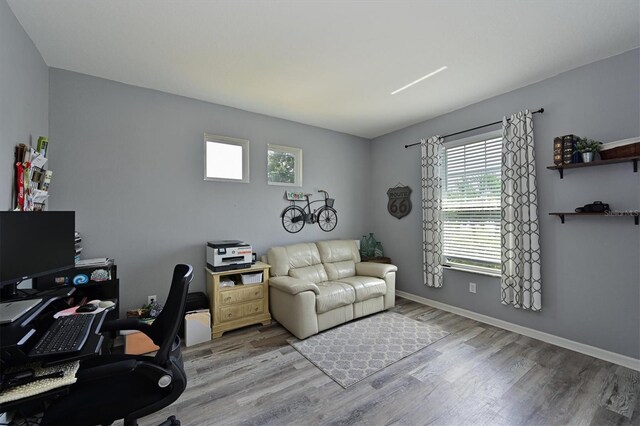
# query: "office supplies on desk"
[[86, 308], [89, 263], [11, 311], [66, 335]]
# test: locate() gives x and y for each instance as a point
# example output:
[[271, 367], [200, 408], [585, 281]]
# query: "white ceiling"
[[331, 64]]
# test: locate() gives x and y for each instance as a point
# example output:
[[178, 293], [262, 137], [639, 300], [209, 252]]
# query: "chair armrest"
[[372, 269], [125, 324], [293, 285], [107, 370]]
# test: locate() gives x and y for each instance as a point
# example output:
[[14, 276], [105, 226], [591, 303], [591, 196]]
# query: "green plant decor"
[[588, 145]]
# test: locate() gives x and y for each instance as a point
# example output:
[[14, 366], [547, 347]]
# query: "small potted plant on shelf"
[[588, 147]]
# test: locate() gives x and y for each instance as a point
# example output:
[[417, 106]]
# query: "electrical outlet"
[[472, 287], [151, 299]]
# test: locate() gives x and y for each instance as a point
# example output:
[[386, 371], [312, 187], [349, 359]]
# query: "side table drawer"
[[239, 295], [230, 313]]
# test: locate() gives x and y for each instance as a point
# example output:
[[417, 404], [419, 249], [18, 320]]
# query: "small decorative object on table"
[[588, 147], [595, 207], [370, 247]]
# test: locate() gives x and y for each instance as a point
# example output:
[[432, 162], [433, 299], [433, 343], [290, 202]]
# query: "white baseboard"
[[615, 358]]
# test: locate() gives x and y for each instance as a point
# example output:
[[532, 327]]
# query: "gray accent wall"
[[129, 161], [590, 266], [24, 97]]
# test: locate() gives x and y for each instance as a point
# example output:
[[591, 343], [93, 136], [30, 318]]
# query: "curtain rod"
[[540, 111]]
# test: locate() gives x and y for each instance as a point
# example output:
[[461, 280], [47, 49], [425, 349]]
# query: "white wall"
[[24, 97], [590, 266], [129, 161]]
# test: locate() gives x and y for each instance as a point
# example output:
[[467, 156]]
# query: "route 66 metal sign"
[[399, 204]]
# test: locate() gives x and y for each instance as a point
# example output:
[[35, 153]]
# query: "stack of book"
[[78, 241], [564, 150], [94, 263]]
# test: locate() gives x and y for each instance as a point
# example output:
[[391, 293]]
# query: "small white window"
[[284, 165], [471, 203], [226, 159]]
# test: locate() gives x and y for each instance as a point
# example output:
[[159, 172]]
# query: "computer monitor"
[[33, 244]]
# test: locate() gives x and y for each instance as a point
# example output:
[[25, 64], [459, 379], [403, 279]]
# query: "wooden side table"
[[379, 259], [239, 305]]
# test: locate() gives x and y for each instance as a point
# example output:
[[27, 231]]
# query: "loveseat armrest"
[[293, 285], [372, 269]]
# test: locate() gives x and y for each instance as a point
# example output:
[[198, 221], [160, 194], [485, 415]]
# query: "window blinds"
[[471, 204]]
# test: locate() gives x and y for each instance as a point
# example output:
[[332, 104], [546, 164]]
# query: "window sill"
[[472, 271]]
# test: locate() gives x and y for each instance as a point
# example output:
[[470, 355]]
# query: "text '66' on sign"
[[399, 204]]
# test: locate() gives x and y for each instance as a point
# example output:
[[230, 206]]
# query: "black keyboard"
[[65, 335]]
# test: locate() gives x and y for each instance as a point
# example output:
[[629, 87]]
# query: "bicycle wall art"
[[294, 216]]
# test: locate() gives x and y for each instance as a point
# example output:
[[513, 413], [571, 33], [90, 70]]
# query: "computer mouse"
[[106, 304], [87, 308]]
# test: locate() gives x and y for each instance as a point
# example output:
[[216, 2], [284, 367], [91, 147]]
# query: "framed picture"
[[284, 165], [226, 159]]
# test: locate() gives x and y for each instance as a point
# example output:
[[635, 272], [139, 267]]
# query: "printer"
[[227, 255]]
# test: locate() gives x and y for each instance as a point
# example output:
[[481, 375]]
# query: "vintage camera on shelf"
[[595, 207]]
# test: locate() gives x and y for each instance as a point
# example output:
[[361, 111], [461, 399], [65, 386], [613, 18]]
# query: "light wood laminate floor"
[[479, 374]]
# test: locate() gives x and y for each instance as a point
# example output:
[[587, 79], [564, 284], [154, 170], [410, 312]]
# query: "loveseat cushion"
[[313, 273], [339, 258], [366, 287], [333, 295], [283, 259]]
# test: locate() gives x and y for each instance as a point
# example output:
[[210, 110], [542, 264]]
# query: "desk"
[[15, 345]]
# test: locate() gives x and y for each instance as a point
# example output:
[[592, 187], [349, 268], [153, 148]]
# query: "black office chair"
[[117, 386]]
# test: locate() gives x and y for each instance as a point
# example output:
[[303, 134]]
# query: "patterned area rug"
[[356, 350]]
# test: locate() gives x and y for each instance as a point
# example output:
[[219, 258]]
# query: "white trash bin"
[[197, 327]]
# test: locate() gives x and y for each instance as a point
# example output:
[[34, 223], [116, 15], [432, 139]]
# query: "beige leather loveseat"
[[316, 286]]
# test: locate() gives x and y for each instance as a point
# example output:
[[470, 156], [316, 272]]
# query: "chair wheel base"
[[171, 421]]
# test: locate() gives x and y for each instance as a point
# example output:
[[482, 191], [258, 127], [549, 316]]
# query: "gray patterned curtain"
[[432, 151], [521, 282]]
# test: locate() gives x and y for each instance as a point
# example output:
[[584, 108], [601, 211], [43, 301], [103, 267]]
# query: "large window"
[[471, 203]]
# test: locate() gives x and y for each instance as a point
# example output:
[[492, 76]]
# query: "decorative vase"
[[378, 250], [363, 246], [587, 157], [371, 245]]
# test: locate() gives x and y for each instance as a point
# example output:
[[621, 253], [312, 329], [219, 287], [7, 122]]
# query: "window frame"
[[483, 270], [297, 153], [243, 143]]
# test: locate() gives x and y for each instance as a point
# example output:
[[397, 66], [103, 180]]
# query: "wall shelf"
[[561, 167], [635, 215]]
